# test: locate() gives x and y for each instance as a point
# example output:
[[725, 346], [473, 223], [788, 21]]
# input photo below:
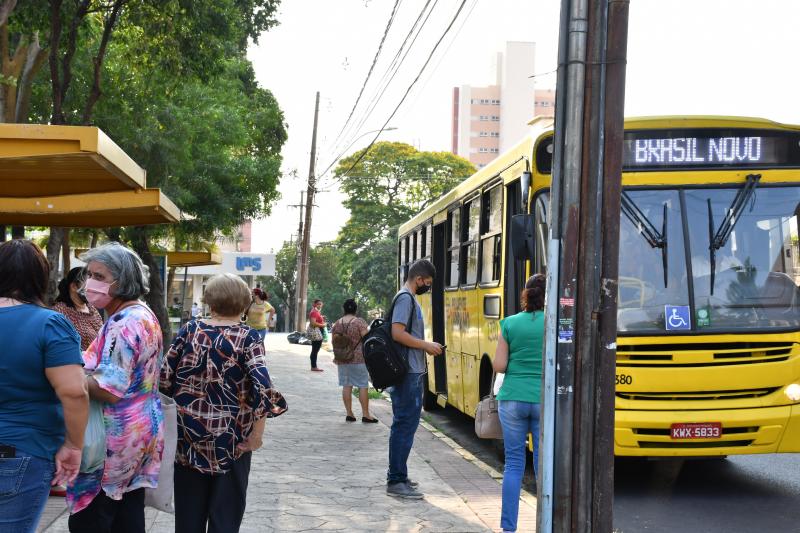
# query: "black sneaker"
[[412, 484], [403, 490]]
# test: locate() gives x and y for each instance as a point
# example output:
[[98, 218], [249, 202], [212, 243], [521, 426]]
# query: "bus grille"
[[702, 354], [697, 395]]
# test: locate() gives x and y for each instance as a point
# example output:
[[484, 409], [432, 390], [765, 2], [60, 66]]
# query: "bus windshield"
[[672, 289]]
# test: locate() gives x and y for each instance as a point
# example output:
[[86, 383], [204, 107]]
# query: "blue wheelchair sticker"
[[677, 317]]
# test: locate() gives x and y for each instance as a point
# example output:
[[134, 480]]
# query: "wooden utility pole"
[[302, 271], [580, 353], [298, 325]]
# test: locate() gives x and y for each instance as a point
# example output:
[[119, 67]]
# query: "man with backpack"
[[407, 394]]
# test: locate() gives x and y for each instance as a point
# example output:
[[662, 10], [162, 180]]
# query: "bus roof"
[[500, 167]]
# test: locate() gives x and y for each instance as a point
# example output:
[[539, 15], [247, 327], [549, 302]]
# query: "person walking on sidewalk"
[[315, 324], [260, 312], [519, 356], [407, 395], [217, 374], [348, 357]]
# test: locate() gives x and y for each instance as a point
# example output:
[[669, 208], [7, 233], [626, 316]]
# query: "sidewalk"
[[318, 472]]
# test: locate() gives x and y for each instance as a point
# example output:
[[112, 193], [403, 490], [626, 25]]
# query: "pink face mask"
[[97, 292]]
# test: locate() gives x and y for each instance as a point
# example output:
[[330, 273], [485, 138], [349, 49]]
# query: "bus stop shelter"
[[74, 176]]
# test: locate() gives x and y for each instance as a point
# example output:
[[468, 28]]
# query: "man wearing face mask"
[[407, 395]]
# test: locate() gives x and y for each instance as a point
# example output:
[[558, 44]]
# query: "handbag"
[[313, 333], [93, 454], [487, 417], [160, 497]]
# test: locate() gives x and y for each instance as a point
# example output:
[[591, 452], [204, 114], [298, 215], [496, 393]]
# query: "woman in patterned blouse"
[[72, 303], [123, 364], [217, 374]]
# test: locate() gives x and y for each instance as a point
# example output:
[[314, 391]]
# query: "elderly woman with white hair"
[[123, 365]]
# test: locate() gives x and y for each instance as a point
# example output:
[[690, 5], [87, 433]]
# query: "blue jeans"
[[24, 487], [518, 419], [263, 333], [406, 408]]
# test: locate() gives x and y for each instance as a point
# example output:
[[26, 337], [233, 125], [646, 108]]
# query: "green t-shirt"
[[524, 333]]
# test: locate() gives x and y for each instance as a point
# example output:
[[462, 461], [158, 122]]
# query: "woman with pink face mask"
[[123, 365]]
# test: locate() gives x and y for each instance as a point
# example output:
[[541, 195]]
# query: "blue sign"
[[253, 263], [676, 317]]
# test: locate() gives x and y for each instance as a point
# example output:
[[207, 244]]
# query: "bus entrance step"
[[441, 400]]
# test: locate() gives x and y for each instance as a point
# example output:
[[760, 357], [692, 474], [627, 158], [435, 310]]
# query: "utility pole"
[[577, 485], [301, 206], [302, 272]]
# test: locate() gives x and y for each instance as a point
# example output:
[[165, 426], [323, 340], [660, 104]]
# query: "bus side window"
[[491, 236], [453, 247], [471, 235]]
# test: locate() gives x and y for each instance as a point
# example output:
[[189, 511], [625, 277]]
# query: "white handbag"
[[487, 417], [160, 497]]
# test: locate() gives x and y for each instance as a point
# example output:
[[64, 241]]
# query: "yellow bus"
[[708, 349]]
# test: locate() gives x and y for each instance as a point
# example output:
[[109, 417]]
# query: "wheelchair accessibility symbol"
[[676, 317]]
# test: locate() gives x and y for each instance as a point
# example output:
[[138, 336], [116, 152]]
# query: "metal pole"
[[302, 276], [577, 482], [183, 294], [298, 319]]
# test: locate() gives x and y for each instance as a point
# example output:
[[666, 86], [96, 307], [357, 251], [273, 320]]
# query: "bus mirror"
[[522, 234], [525, 183]]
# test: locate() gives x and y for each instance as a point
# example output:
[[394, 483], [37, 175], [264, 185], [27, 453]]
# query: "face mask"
[[423, 289], [97, 293]]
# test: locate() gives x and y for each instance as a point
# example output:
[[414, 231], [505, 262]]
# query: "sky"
[[727, 57]]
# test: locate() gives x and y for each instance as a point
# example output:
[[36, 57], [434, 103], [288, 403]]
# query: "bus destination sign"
[[662, 150]]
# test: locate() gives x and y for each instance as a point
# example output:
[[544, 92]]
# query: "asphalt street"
[[754, 493]]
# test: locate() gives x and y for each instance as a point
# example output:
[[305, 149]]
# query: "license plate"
[[706, 430]]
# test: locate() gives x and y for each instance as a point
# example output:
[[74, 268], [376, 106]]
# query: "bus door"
[[437, 306], [514, 274], [454, 307]]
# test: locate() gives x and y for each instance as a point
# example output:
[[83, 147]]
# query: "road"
[[756, 493]]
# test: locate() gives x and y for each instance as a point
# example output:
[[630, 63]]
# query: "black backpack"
[[386, 360]]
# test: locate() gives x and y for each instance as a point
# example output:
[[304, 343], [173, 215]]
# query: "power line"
[[408, 90], [383, 87], [372, 67]]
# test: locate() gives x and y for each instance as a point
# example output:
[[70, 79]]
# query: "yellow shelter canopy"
[[93, 210], [181, 258]]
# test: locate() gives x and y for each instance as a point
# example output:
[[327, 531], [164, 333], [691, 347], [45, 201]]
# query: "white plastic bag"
[[161, 497], [93, 454]]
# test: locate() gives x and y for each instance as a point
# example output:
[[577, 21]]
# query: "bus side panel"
[[491, 305], [470, 380], [453, 309]]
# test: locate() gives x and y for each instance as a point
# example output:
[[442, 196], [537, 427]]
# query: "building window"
[[494, 134], [484, 118], [495, 118], [495, 102]]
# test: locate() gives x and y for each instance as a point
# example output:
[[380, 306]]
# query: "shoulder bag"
[[487, 417]]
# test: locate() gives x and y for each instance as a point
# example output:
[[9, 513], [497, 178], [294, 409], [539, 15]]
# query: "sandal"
[[366, 420], [349, 418]]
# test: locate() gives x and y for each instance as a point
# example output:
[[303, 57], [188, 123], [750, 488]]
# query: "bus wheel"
[[429, 400]]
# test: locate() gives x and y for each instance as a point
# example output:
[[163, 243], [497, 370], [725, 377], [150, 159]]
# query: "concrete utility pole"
[[580, 349], [302, 272]]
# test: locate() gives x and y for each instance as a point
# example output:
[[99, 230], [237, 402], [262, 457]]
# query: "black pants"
[[315, 346], [105, 515], [217, 502]]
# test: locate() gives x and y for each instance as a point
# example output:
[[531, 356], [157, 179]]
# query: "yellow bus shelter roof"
[[90, 210], [179, 258], [41, 160]]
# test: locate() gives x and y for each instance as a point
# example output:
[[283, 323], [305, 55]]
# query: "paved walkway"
[[318, 472]]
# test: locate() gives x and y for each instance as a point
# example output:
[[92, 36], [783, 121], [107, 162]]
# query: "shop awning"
[[90, 210], [39, 160]]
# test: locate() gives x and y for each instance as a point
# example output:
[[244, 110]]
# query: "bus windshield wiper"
[[647, 229], [717, 239]]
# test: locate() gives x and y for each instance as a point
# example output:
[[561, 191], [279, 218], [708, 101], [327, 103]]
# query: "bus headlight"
[[793, 392]]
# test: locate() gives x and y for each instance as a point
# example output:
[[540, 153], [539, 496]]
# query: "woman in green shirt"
[[519, 356]]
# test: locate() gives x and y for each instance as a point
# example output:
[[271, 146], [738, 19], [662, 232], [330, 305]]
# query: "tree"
[[384, 188], [324, 282], [174, 89], [281, 286]]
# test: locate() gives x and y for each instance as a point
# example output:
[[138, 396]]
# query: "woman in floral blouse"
[[123, 362], [216, 372]]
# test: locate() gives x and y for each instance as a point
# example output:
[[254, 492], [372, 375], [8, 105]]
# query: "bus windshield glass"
[[753, 285]]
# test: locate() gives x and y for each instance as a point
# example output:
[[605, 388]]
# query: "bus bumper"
[[744, 431]]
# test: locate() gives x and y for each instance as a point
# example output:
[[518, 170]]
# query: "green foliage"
[[324, 283], [388, 186]]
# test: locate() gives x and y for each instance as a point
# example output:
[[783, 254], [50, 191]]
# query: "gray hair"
[[131, 274]]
